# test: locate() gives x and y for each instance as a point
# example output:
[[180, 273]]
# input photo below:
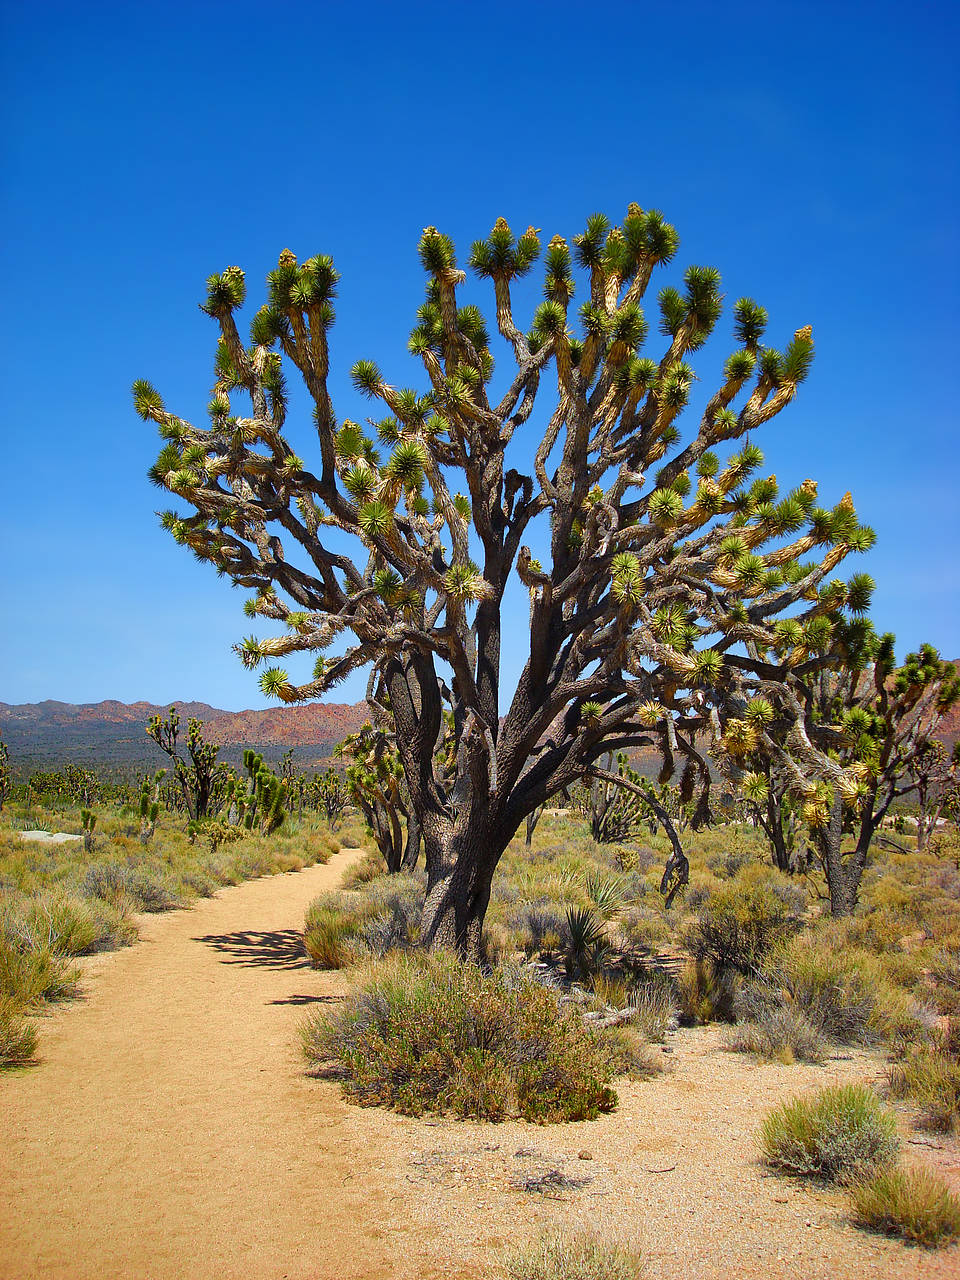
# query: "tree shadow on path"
[[257, 949]]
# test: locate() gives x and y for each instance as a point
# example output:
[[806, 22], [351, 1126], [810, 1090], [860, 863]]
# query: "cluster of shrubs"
[[428, 1032], [843, 1135]]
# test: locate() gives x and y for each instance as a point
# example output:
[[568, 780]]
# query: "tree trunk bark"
[[460, 867], [411, 852]]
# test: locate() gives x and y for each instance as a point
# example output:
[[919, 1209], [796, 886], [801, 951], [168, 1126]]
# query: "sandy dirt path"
[[169, 1130]]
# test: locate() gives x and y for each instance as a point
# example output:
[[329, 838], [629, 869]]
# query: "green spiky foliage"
[[263, 807], [839, 745], [614, 814], [196, 770], [935, 774], [88, 821], [149, 805], [328, 792], [659, 552], [375, 783], [4, 773]]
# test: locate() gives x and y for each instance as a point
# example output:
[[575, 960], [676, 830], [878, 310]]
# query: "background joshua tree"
[[841, 742], [149, 806], [660, 558], [935, 773], [197, 772], [375, 783], [614, 813], [4, 773]]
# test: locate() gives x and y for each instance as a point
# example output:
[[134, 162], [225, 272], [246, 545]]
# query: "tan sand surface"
[[169, 1130], [170, 1134]]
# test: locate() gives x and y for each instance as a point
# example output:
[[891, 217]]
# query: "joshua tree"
[[197, 773], [375, 784], [264, 805], [649, 560], [150, 805], [88, 821], [615, 814], [935, 773], [328, 793], [841, 742], [4, 773]]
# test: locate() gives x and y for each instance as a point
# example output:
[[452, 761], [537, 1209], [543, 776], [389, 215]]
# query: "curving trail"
[[169, 1132]]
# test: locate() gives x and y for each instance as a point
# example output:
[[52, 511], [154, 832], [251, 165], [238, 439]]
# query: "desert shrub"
[[430, 1033], [654, 999], [105, 880], [841, 1134], [779, 1034], [198, 883], [149, 892], [581, 1256], [393, 904], [642, 929], [369, 867], [739, 925], [844, 992], [631, 1055], [75, 927], [31, 977], [537, 926], [332, 923], [705, 994], [929, 1076], [18, 1038], [915, 1203]]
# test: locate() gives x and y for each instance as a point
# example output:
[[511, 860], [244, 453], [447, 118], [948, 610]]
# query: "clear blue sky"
[[807, 150]]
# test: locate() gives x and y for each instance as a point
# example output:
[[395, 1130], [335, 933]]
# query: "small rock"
[[584, 1155], [666, 1048]]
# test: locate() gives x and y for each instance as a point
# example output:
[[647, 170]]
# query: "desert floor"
[[169, 1132]]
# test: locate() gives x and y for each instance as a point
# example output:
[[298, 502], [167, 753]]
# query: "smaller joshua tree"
[[328, 792], [614, 813], [266, 800], [935, 773], [88, 820], [375, 782], [4, 773], [840, 743], [150, 805], [197, 772]]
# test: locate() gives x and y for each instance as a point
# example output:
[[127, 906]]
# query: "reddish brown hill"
[[44, 733]]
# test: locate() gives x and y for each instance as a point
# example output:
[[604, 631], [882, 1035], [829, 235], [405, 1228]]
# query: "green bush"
[[840, 1134], [18, 1039], [739, 925], [30, 977], [332, 924], [582, 1256], [913, 1203], [778, 1034], [430, 1033], [929, 1076]]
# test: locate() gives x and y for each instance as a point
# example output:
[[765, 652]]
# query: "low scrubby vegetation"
[[746, 945], [915, 1204], [432, 1033], [582, 1255], [59, 902], [840, 1134]]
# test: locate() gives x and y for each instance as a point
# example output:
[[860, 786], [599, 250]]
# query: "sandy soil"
[[170, 1134]]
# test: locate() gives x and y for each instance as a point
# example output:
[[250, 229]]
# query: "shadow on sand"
[[279, 949]]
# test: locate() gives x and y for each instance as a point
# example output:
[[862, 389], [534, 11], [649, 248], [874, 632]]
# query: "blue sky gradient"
[[806, 150]]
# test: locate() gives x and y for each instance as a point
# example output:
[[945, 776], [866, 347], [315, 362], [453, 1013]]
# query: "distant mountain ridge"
[[42, 734]]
